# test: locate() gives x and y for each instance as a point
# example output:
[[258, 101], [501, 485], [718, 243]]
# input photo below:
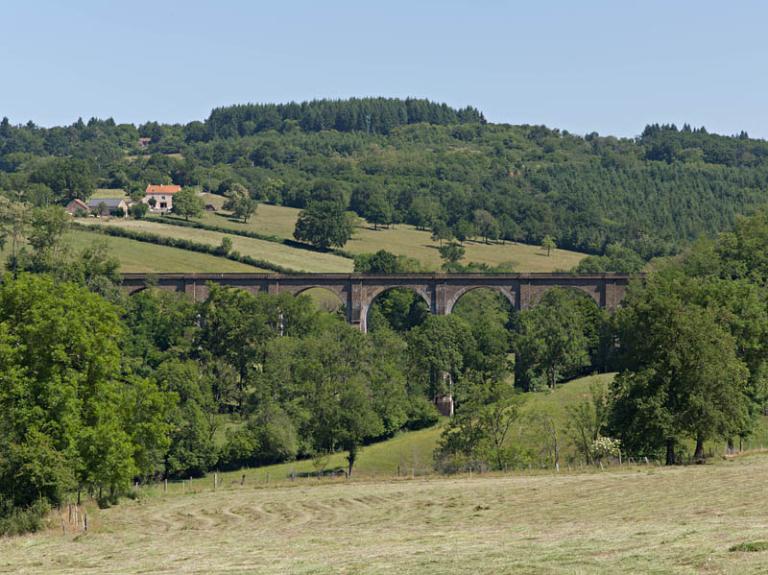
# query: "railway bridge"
[[357, 292]]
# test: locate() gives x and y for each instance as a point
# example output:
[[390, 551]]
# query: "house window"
[[163, 205]]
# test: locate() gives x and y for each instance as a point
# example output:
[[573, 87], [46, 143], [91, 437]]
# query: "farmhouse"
[[77, 207], [108, 207], [159, 197]]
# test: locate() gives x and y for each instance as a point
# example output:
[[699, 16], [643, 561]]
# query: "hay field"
[[635, 520]]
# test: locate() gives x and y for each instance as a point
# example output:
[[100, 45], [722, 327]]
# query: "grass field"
[[631, 520], [135, 256], [402, 240], [101, 193], [279, 221], [294, 258]]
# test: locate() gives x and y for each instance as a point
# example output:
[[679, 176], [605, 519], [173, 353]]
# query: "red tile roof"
[[162, 189]]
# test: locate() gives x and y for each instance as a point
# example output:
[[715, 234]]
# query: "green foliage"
[[67, 178], [490, 317], [418, 162], [486, 225], [749, 547], [384, 262], [437, 350], [587, 420], [452, 253], [399, 309], [548, 243], [617, 258], [138, 210], [478, 436], [681, 376], [552, 340], [187, 203], [371, 115], [240, 202], [67, 419], [324, 224], [339, 388], [19, 520]]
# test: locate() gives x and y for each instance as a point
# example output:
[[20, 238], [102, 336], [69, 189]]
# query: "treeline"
[[370, 115], [417, 162]]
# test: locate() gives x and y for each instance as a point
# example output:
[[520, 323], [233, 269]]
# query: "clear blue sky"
[[582, 65]]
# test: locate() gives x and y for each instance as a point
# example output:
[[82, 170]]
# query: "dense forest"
[[417, 162]]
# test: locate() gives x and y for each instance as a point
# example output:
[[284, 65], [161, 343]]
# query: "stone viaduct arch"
[[358, 291]]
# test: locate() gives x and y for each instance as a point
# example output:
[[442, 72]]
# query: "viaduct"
[[358, 291]]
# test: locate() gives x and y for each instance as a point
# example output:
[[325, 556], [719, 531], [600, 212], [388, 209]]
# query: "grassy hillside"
[[636, 520], [401, 239], [411, 452], [101, 193], [135, 256], [286, 256], [279, 221]]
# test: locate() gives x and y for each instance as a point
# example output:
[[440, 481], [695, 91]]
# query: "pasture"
[[136, 256], [401, 239], [296, 259], [640, 519]]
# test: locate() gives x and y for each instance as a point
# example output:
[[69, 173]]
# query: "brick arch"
[[374, 292], [341, 294], [339, 291], [586, 290], [454, 297]]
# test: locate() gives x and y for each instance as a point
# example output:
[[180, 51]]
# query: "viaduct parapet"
[[358, 291]]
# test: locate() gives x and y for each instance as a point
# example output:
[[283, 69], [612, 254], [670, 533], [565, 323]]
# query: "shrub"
[[604, 447], [16, 520], [421, 413]]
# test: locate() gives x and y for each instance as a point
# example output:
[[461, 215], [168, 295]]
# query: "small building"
[[78, 208], [144, 143], [108, 207], [159, 197]]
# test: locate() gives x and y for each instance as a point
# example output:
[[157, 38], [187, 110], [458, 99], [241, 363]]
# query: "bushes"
[[17, 520], [268, 437]]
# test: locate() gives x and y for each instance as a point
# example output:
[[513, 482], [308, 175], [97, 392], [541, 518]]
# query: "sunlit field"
[[135, 256], [633, 520], [295, 259], [401, 239]]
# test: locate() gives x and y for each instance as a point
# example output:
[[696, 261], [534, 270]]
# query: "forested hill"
[[418, 162], [371, 115]]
